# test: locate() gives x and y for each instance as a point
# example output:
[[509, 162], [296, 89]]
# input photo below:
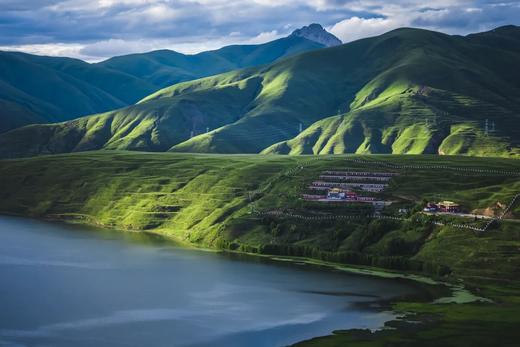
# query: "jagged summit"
[[315, 32]]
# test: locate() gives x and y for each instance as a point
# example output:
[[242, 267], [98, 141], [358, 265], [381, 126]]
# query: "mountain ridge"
[[167, 67], [80, 88], [407, 91]]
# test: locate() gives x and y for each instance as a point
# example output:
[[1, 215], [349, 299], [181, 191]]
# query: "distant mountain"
[[316, 33], [407, 91], [164, 68], [37, 89]]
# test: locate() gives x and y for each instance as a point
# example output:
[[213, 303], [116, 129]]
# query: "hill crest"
[[408, 91]]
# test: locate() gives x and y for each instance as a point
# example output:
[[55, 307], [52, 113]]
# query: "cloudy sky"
[[95, 29]]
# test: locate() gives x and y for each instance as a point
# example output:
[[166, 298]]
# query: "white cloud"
[[265, 37], [51, 49], [356, 28], [101, 50], [111, 3], [158, 13]]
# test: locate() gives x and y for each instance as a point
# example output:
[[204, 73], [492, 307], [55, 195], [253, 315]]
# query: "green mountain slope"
[[37, 89], [407, 91], [436, 99], [68, 88], [164, 67]]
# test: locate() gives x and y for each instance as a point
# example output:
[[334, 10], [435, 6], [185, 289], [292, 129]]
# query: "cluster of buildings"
[[367, 187], [337, 186], [443, 206], [347, 186], [347, 195]]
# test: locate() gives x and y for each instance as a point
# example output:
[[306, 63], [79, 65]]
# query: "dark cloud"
[[93, 23], [469, 19], [78, 21]]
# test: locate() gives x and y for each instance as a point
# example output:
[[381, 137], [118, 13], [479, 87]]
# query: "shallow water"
[[67, 285]]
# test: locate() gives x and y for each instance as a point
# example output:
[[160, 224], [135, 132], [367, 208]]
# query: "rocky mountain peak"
[[315, 32]]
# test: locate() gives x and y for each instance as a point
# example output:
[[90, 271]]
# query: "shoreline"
[[459, 294]]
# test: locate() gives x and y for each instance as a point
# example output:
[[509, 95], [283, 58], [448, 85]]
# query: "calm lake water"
[[64, 285]]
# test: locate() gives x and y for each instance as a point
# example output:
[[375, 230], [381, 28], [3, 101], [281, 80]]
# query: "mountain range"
[[38, 89], [408, 91]]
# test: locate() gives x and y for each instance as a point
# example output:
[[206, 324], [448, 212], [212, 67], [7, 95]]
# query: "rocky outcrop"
[[316, 33]]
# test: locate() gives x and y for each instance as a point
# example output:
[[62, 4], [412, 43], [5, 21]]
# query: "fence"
[[302, 165]]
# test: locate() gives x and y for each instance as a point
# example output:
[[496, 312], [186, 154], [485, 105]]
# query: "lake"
[[69, 285]]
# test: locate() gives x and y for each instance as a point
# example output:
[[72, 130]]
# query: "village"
[[350, 187]]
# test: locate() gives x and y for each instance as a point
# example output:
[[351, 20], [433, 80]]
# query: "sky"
[[94, 30]]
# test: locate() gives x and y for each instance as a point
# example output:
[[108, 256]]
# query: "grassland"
[[211, 200]]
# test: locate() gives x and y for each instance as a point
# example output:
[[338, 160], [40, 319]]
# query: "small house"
[[351, 195], [430, 207], [448, 206], [335, 194]]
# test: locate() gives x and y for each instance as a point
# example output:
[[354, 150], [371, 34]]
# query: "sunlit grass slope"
[[408, 91], [206, 200]]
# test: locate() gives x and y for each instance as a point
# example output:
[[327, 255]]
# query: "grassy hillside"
[[69, 88], [37, 89], [164, 68], [408, 91], [207, 200], [436, 100]]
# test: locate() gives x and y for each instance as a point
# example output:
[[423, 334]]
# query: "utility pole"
[[493, 127], [252, 208], [207, 129], [486, 127], [191, 134], [300, 129]]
